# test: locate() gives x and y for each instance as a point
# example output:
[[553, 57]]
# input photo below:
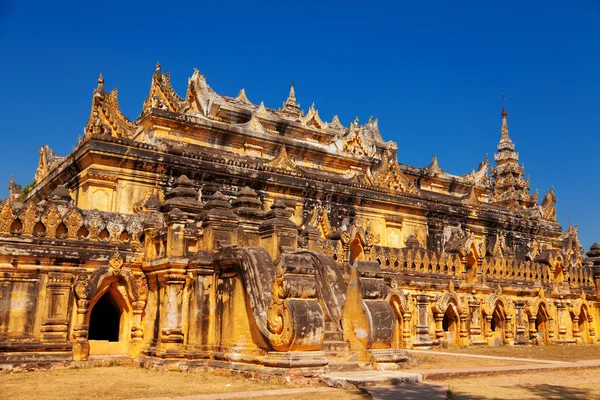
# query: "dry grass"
[[547, 385], [112, 383], [557, 352], [434, 361]]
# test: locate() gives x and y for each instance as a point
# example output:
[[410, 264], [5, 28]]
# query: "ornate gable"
[[283, 161], [162, 95], [548, 210], [481, 176], [48, 160], [106, 117], [201, 98], [313, 120], [390, 176]]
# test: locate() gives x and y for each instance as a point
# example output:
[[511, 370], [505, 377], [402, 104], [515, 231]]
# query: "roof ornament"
[[434, 167], [261, 111], [242, 97], [158, 68], [335, 123], [471, 198], [504, 123], [100, 83], [290, 107]]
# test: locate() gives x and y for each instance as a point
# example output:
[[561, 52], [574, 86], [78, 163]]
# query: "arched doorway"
[[541, 325], [450, 325], [109, 322], [583, 326], [471, 264], [356, 250], [105, 319], [403, 314], [498, 325]]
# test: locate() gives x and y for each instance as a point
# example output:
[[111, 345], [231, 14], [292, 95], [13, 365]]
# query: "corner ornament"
[[116, 262]]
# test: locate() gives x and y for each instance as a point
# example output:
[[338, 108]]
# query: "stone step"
[[335, 345], [337, 366], [353, 379], [333, 335], [341, 356]]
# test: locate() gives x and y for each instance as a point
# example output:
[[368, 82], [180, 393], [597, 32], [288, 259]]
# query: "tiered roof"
[[509, 188], [290, 139]]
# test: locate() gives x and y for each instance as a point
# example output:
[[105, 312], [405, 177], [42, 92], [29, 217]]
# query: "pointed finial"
[[504, 113], [158, 69], [293, 84], [101, 82], [243, 98], [290, 107], [434, 167]]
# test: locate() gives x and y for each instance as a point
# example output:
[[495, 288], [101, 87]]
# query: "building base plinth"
[[295, 359]]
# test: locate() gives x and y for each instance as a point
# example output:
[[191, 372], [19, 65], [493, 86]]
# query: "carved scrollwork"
[[29, 219], [276, 314], [135, 283], [115, 227], [94, 224], [116, 262], [135, 227], [73, 221], [80, 287], [6, 217], [51, 220], [140, 287], [371, 236], [293, 299]]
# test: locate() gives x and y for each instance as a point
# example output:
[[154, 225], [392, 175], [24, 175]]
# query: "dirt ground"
[[124, 382], [128, 382], [547, 385], [549, 352], [434, 361]]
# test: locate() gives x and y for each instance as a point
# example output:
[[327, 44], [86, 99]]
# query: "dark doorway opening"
[[450, 325], [541, 325], [105, 320]]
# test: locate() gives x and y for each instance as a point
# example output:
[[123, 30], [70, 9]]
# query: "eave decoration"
[[106, 117]]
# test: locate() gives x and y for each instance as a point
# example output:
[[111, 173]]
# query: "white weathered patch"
[[360, 333]]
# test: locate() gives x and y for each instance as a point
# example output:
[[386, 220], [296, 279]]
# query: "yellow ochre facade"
[[213, 231]]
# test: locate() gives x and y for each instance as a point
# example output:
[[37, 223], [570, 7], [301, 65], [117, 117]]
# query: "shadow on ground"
[[418, 391], [542, 391]]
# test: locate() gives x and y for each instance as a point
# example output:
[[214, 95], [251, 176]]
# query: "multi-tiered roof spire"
[[509, 187], [290, 106]]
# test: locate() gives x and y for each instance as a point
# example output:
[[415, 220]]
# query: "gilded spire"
[[505, 145], [290, 107], [510, 189], [504, 124]]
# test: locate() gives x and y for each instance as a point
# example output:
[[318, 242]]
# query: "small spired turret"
[[290, 107], [509, 189], [183, 196]]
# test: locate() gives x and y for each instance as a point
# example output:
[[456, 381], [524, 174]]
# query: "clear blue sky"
[[433, 72]]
